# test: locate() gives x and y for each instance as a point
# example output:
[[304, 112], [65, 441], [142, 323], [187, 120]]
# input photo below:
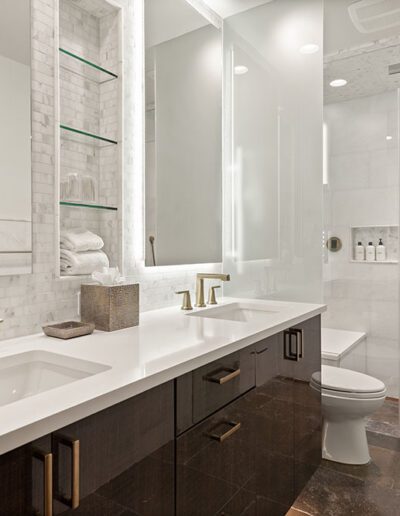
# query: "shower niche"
[[366, 234], [89, 128]]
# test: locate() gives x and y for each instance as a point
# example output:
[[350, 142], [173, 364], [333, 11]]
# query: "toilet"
[[347, 398]]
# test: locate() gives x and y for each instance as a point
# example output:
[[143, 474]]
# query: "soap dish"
[[68, 330]]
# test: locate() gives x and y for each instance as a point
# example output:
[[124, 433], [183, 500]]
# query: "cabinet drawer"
[[218, 383], [214, 460]]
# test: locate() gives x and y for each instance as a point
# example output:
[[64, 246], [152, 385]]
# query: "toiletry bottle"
[[359, 252], [380, 252], [370, 252]]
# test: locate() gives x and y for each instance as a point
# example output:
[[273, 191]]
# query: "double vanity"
[[207, 412]]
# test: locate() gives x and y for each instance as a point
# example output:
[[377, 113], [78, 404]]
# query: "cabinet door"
[[215, 461], [307, 406], [26, 480], [271, 410], [119, 461]]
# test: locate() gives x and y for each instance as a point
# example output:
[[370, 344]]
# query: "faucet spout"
[[201, 276]]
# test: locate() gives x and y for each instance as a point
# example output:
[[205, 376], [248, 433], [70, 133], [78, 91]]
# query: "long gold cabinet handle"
[[231, 374], [234, 427], [73, 445], [47, 461]]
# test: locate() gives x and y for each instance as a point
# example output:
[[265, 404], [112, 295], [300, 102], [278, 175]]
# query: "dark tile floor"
[[371, 490], [386, 420]]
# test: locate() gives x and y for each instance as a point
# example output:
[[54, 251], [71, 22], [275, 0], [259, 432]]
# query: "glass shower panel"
[[255, 193], [362, 205], [273, 151]]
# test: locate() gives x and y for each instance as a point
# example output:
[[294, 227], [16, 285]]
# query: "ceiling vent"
[[375, 15]]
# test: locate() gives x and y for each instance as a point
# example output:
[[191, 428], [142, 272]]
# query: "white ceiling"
[[361, 59], [168, 19], [15, 30], [339, 31], [366, 73], [225, 8]]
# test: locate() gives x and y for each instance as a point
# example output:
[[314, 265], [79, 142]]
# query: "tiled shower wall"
[[363, 190], [28, 301]]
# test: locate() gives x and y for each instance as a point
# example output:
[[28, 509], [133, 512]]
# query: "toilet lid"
[[345, 380]]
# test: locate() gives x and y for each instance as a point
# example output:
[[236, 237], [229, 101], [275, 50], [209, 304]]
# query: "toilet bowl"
[[347, 398]]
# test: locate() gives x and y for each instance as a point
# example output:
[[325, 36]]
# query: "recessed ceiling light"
[[338, 83], [241, 69], [389, 138], [309, 48]]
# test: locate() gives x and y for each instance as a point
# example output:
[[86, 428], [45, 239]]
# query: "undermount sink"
[[241, 312], [32, 372]]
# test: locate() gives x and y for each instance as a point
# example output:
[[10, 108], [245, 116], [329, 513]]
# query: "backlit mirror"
[[183, 66], [15, 138]]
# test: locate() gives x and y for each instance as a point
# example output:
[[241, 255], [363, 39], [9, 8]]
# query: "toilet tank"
[[344, 348]]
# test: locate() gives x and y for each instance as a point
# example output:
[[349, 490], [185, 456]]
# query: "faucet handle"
[[211, 295], [186, 301]]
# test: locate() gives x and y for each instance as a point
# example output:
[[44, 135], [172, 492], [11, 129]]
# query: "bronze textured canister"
[[112, 307]]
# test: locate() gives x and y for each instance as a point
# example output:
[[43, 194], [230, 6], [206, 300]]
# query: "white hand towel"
[[73, 264], [79, 240]]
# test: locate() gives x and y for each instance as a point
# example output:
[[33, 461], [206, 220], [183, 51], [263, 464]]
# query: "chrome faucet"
[[201, 276]]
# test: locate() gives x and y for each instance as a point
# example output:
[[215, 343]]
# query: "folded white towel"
[[72, 264], [79, 240]]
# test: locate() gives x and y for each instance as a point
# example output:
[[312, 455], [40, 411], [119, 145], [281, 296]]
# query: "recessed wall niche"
[[89, 122], [366, 234]]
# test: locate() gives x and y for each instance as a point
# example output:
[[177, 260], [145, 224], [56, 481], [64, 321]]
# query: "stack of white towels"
[[81, 252]]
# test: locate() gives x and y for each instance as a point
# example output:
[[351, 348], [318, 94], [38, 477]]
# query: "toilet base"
[[345, 441]]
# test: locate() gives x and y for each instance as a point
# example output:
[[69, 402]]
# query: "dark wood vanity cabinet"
[[254, 455], [119, 461], [126, 461], [24, 479], [238, 436]]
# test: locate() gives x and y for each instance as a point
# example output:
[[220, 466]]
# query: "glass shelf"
[[85, 205], [78, 136], [84, 68]]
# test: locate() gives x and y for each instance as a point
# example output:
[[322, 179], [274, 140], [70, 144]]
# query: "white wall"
[[188, 161], [363, 190]]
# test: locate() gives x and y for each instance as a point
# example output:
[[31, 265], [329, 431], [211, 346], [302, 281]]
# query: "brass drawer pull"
[[74, 446], [215, 378], [47, 460], [223, 437]]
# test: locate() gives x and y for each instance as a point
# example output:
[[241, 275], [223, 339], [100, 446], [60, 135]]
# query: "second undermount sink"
[[241, 312], [33, 372]]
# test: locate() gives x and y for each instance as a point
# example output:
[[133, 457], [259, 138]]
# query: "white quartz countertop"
[[166, 344]]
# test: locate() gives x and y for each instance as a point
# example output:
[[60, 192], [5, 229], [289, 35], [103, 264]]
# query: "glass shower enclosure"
[[273, 151]]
